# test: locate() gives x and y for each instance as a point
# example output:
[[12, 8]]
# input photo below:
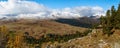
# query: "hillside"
[[37, 31], [49, 33], [86, 22], [41, 26], [95, 39]]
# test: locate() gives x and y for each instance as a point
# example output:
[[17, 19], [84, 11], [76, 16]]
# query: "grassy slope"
[[96, 39], [39, 27]]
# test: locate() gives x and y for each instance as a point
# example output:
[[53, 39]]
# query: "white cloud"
[[88, 11], [78, 12], [21, 7], [29, 9]]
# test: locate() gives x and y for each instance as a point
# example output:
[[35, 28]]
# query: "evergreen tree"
[[109, 21], [113, 15], [113, 11], [108, 18], [118, 10], [117, 18]]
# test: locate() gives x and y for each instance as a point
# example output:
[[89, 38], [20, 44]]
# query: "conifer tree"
[[113, 11], [118, 10], [108, 18], [109, 21], [117, 18], [113, 16]]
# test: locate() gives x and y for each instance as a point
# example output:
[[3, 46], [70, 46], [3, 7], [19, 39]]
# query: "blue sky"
[[105, 4]]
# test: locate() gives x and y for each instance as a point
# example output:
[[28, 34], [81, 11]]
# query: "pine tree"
[[118, 10], [103, 23], [107, 24], [102, 20], [117, 18], [113, 15], [108, 18], [113, 11], [109, 21]]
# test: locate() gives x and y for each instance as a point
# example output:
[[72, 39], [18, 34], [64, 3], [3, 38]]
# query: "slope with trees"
[[111, 20]]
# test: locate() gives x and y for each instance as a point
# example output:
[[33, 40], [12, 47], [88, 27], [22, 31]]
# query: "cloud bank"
[[29, 9]]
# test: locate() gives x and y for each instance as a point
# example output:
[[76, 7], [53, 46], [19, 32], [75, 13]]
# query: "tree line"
[[111, 20]]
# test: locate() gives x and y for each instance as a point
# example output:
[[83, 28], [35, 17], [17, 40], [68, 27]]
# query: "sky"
[[54, 8], [105, 4]]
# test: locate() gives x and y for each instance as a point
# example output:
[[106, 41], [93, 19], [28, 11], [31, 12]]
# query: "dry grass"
[[95, 39], [40, 27], [37, 28]]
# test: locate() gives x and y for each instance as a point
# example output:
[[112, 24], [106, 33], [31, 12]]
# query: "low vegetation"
[[17, 39], [15, 35]]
